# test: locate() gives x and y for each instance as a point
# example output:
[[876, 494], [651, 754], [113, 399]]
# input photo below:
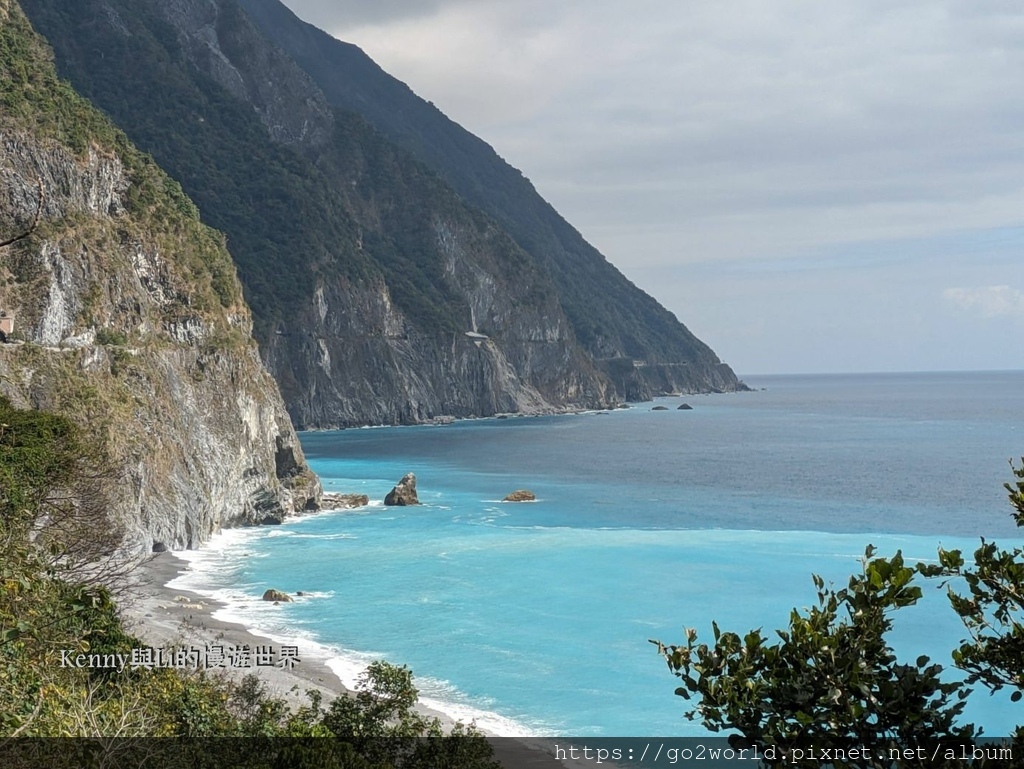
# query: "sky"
[[809, 185]]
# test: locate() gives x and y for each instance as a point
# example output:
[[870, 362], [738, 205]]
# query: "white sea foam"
[[210, 568]]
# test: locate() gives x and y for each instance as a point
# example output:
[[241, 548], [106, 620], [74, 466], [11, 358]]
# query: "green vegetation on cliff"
[[359, 208], [46, 615], [610, 315], [35, 101], [363, 260]]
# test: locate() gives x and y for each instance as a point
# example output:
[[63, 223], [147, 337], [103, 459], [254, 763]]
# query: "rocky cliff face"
[[367, 274], [128, 317], [350, 354], [373, 366], [616, 323]]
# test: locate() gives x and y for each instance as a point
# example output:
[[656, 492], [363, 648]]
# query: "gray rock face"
[[277, 596], [195, 424], [354, 358], [348, 355], [522, 495], [344, 501], [404, 493]]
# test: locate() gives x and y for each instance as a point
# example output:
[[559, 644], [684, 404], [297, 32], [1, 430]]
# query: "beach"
[[165, 617], [170, 618]]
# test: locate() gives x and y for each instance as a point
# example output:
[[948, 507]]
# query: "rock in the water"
[[159, 547], [660, 408], [522, 495], [685, 407], [344, 501], [271, 520], [276, 596], [404, 493]]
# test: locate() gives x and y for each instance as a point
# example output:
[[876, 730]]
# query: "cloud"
[[988, 301], [727, 129], [727, 143]]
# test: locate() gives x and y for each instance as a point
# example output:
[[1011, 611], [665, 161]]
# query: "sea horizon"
[[409, 577]]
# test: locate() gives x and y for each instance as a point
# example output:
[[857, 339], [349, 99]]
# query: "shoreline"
[[445, 419], [163, 616]]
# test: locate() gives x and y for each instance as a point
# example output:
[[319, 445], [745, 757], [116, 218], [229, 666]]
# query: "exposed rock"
[[522, 495], [138, 331], [277, 596], [404, 493], [349, 346], [684, 407], [660, 408], [588, 286], [344, 501], [159, 547], [271, 520]]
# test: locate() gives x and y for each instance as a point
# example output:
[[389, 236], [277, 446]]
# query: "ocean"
[[535, 618]]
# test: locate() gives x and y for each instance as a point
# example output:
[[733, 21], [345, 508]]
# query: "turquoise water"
[[535, 618]]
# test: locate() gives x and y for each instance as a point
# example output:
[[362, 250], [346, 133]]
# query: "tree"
[[992, 609], [56, 487], [832, 681]]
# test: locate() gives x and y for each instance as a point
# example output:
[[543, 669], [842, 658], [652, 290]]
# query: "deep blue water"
[[535, 618]]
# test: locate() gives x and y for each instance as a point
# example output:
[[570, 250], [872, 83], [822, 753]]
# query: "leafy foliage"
[[831, 681], [993, 609], [42, 613]]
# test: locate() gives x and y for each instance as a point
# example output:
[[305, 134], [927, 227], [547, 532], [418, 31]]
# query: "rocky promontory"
[[404, 493]]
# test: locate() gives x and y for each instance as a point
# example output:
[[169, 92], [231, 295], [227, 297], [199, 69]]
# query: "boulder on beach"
[[522, 495], [684, 407], [159, 547], [277, 596], [404, 493]]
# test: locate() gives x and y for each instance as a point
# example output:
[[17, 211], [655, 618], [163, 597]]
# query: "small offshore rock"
[[522, 495], [684, 407], [404, 493], [344, 501], [277, 596], [660, 408]]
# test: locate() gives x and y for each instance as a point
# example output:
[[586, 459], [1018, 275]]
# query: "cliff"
[[365, 263], [128, 317], [614, 321]]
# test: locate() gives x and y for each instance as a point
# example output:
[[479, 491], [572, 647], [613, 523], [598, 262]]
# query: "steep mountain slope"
[[364, 270], [611, 316], [127, 316], [379, 295]]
